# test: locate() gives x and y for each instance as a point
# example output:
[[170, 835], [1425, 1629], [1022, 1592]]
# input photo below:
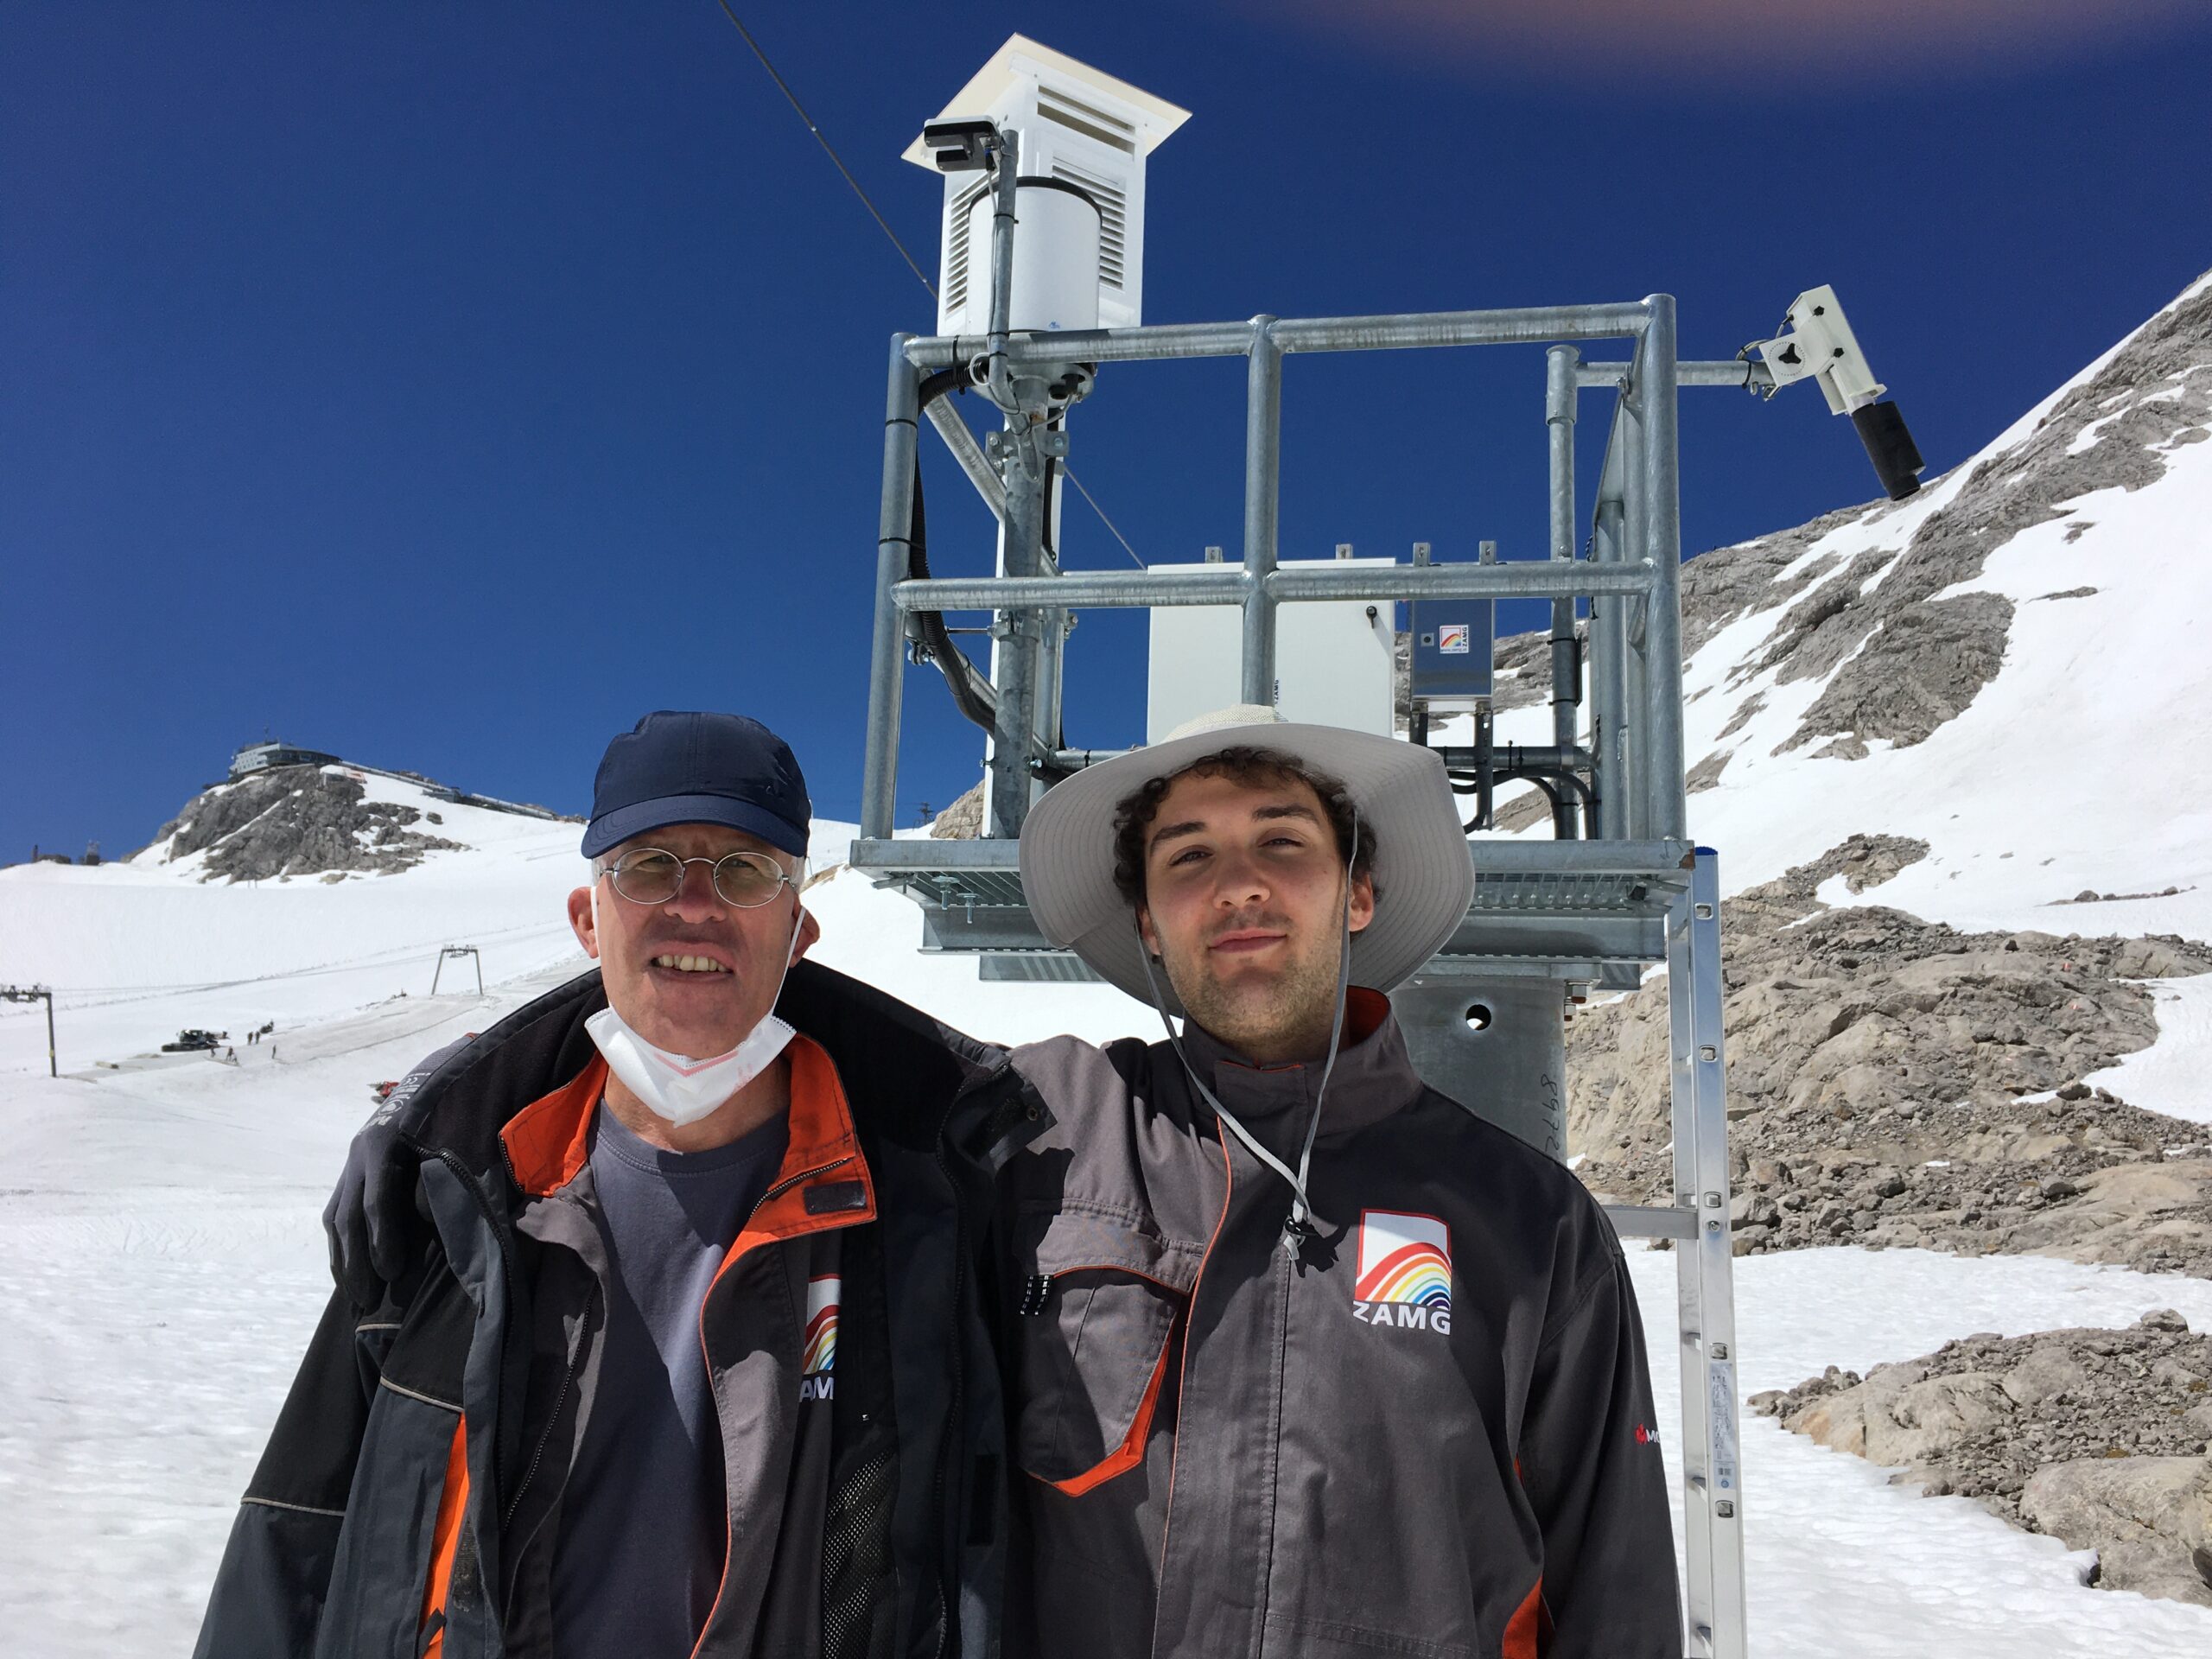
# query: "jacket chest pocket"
[[1096, 1302]]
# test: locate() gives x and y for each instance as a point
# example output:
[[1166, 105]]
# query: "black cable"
[[950, 660], [784, 86]]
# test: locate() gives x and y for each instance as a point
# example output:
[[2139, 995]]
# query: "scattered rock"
[[2097, 1437]]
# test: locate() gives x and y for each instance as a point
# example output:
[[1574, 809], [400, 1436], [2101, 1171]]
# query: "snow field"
[[137, 951], [1840, 1564], [162, 1265]]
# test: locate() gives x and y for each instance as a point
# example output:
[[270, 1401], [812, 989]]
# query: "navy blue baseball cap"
[[699, 768]]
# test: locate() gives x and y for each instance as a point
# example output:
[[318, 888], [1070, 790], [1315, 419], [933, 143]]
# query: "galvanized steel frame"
[[1629, 572], [1631, 575]]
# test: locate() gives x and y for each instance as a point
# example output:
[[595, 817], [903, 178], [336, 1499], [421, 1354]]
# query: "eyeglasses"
[[647, 875]]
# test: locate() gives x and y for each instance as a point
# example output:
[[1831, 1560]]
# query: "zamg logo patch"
[[1405, 1272], [818, 1343]]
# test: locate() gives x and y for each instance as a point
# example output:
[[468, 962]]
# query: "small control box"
[[1453, 655]]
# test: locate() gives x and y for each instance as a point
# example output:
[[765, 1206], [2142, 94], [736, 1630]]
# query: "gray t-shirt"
[[643, 1520]]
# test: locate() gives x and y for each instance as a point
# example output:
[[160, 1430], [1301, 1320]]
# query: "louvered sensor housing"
[[1084, 139]]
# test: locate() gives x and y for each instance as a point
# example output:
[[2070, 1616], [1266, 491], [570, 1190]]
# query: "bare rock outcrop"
[[2149, 1519], [1922, 668], [2097, 1437], [963, 820], [1896, 1082], [296, 821], [1720, 585]]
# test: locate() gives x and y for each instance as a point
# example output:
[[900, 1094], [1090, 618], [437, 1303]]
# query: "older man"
[[1307, 1358], [688, 1358]]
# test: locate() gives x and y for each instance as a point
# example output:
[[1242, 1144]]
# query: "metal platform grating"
[[1578, 910], [1559, 891], [963, 888]]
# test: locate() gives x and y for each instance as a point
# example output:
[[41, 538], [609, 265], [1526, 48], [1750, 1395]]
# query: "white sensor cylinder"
[[1055, 257]]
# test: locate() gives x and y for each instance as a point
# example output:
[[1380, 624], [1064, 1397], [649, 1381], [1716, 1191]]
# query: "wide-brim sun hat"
[[1422, 870]]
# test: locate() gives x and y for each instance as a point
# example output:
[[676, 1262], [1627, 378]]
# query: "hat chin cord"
[[1298, 1227]]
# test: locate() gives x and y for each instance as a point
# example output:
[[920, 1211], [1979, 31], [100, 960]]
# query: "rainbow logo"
[[818, 1347], [1405, 1261]]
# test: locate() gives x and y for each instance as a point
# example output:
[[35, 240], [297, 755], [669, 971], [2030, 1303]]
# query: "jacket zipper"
[[946, 1599], [708, 1359], [560, 1399], [948, 1596], [1190, 1319], [544, 1439]]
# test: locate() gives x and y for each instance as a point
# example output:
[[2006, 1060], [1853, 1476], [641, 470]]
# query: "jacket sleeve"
[[269, 1593], [371, 1221], [1589, 1462]]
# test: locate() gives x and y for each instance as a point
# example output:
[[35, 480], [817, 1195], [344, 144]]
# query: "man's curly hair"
[[1135, 813]]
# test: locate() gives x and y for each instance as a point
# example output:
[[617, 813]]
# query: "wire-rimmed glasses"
[[650, 875]]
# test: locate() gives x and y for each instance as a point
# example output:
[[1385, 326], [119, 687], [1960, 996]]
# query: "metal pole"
[[1566, 679], [1521, 325], [1020, 631], [1704, 1283], [1005, 181], [52, 1066], [1025, 470], [1609, 676], [1634, 816], [895, 528], [969, 454], [1531, 325], [1219, 585], [1262, 509], [1052, 626], [1747, 373], [1662, 628]]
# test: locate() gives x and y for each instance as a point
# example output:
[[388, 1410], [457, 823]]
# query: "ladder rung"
[[1653, 1220]]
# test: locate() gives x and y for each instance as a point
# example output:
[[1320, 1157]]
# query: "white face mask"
[[675, 1086], [679, 1089]]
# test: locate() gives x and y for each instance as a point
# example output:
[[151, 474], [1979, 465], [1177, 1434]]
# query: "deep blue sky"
[[447, 385]]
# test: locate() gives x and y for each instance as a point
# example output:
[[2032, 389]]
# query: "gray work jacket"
[[1429, 1434]]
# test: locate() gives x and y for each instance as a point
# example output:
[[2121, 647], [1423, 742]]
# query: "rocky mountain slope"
[[327, 821], [1956, 757], [1898, 1082]]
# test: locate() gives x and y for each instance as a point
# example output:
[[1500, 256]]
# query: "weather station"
[[1040, 299]]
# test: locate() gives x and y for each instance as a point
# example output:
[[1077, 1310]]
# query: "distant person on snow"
[[1300, 1356], [687, 1358]]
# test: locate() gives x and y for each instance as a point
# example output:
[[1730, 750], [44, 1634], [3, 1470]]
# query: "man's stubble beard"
[[1294, 1010]]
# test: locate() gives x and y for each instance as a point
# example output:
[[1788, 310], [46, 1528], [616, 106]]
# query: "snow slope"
[[162, 1265], [136, 950], [161, 1262], [2085, 764]]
